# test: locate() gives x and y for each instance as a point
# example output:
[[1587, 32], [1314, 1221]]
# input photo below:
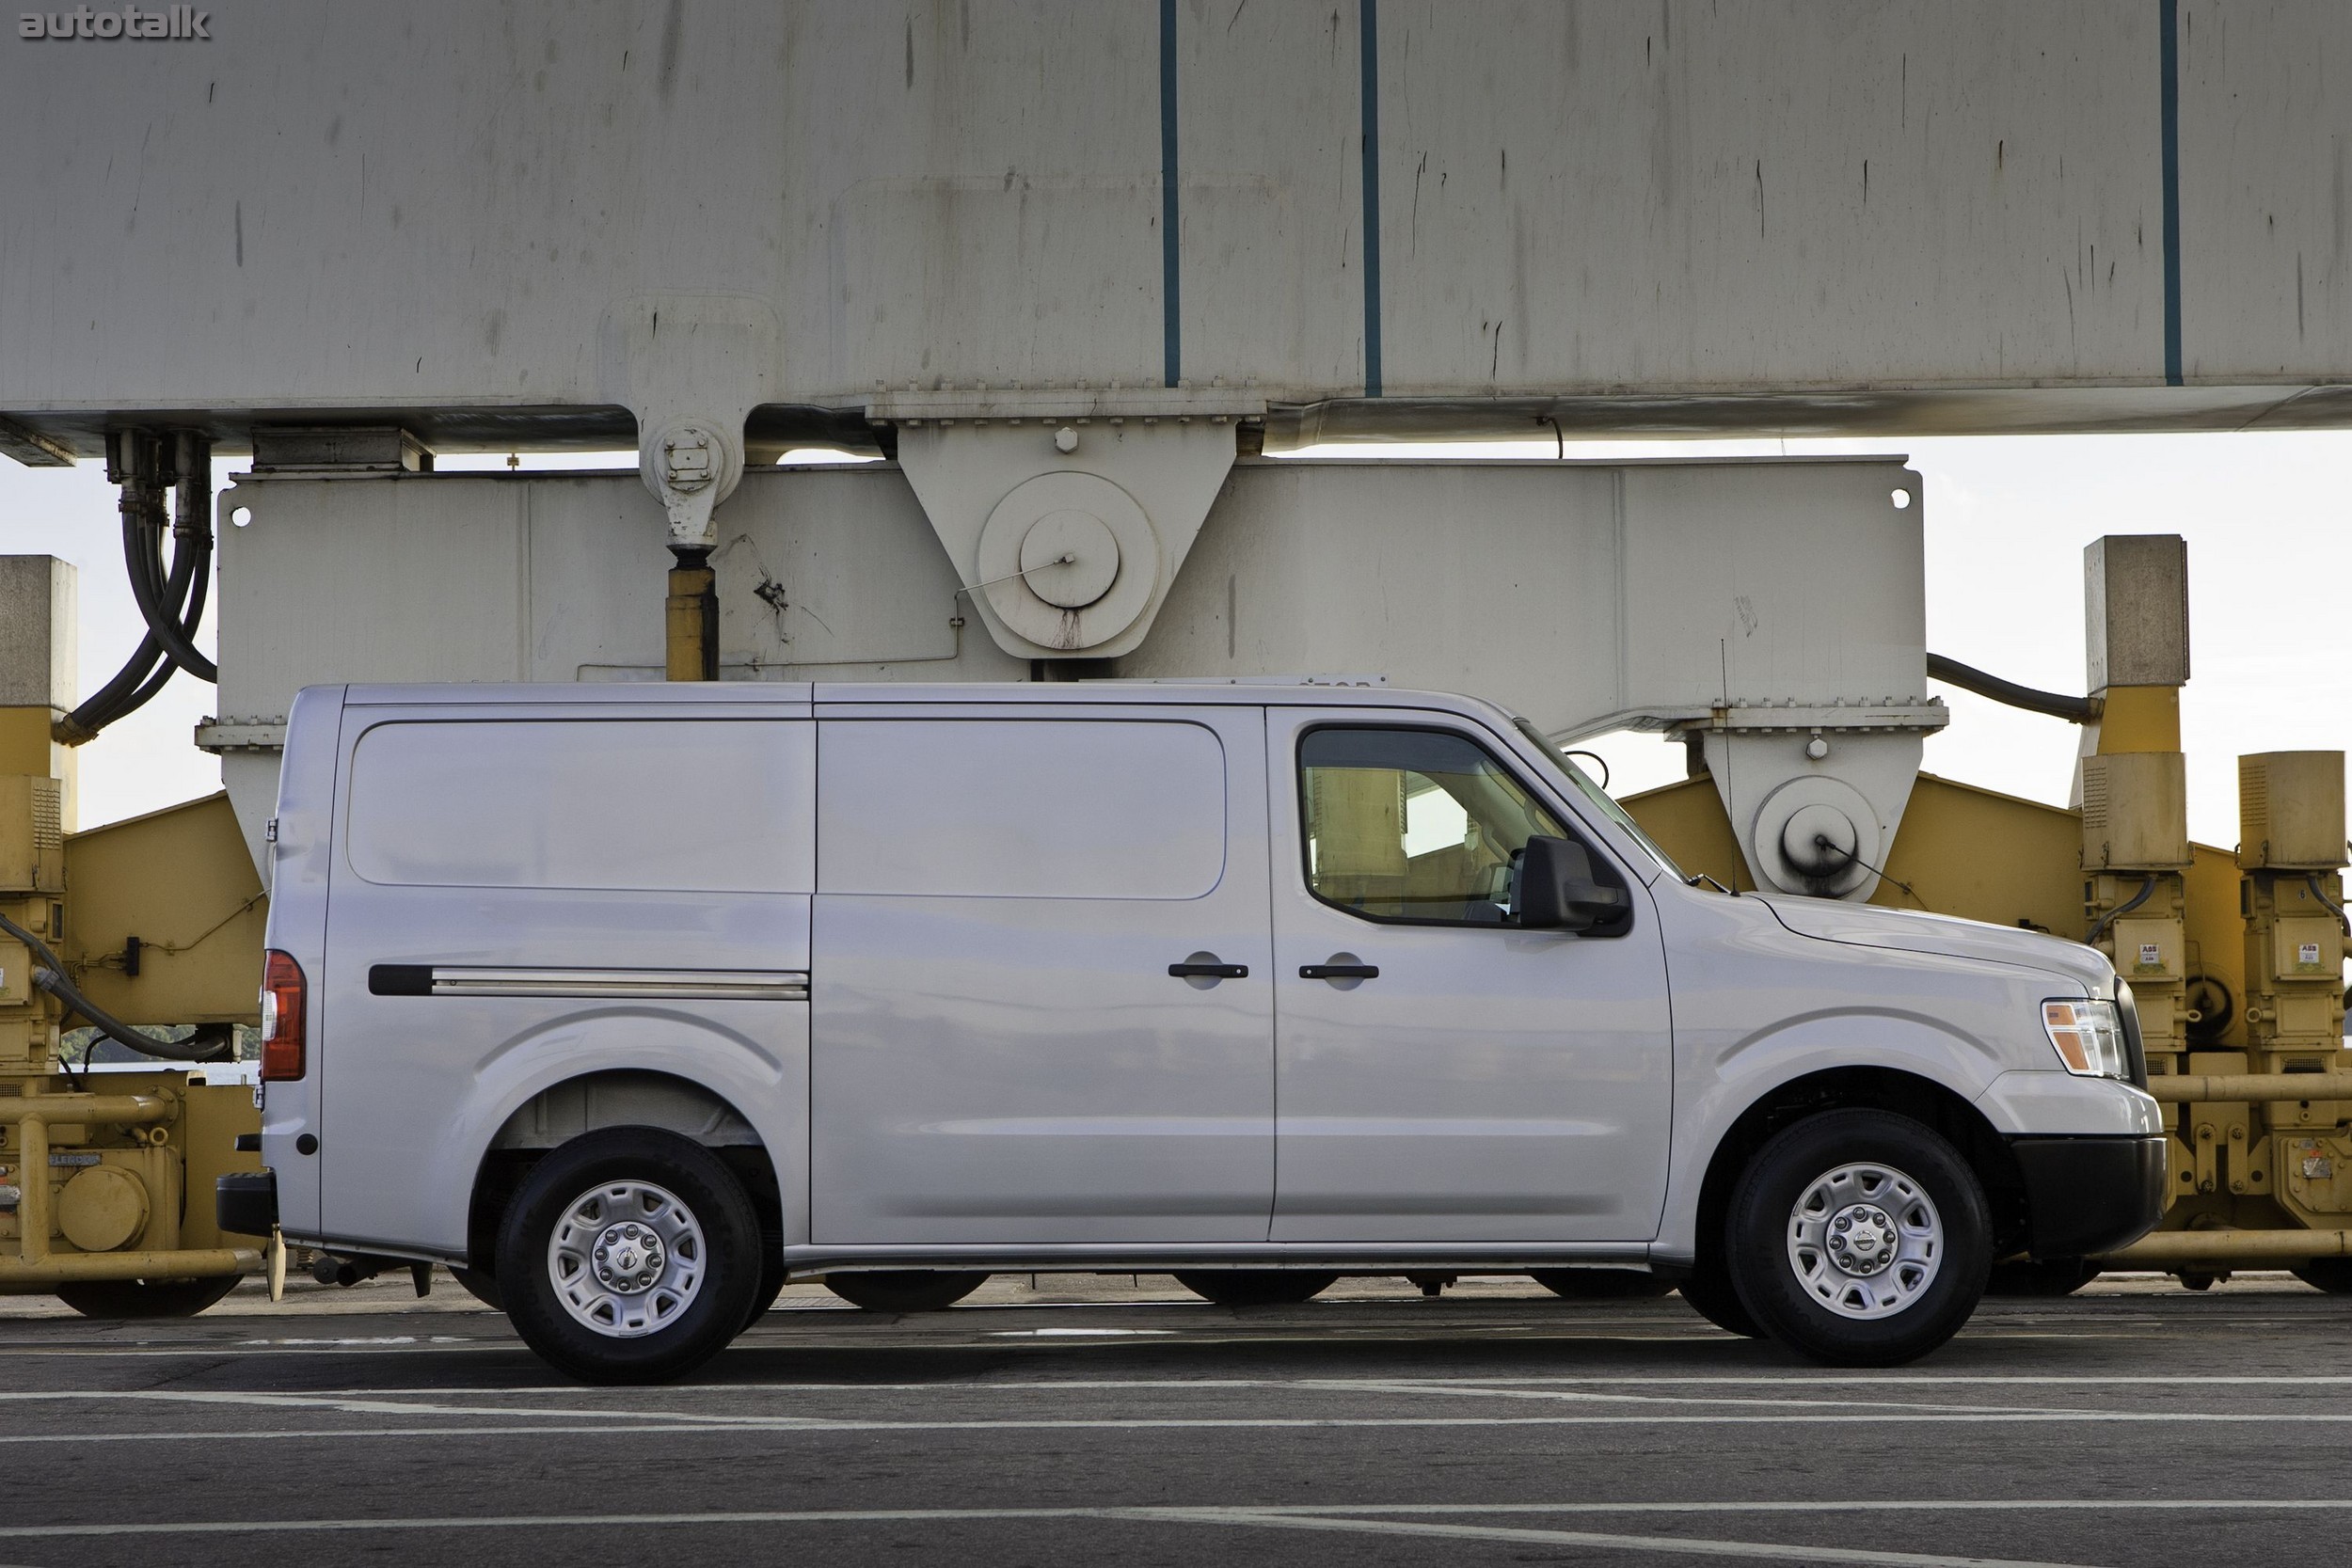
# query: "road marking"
[[628, 1423], [1241, 1518]]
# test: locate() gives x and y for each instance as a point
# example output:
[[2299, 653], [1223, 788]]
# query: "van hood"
[[1911, 931]]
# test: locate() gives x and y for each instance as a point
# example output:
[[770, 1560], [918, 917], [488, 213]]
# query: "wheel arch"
[[617, 1097], [1876, 1088]]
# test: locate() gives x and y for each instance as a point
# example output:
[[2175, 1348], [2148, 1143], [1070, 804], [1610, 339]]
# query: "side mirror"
[[1557, 890]]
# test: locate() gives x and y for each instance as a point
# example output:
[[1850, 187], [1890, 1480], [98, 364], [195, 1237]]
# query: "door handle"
[[1209, 971], [1338, 972]]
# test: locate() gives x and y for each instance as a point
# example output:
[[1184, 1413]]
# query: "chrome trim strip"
[[748, 984]]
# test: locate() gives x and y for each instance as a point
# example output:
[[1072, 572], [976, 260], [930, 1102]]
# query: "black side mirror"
[[1557, 890]]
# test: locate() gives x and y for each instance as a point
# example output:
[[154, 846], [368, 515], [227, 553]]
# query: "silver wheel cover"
[[626, 1258], [1866, 1240]]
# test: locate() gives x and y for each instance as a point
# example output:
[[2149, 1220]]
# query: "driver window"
[[1413, 824]]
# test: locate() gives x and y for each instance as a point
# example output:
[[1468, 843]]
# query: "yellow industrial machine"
[[107, 1175], [2236, 957]]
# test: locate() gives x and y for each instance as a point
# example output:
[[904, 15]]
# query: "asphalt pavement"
[[1089, 1421]]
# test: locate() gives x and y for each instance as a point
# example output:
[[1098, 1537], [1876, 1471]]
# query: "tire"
[[2042, 1277], [128, 1299], [1601, 1284], [1708, 1291], [684, 1260], [1256, 1287], [482, 1285], [905, 1289], [2331, 1275], [771, 1279], [1891, 1199]]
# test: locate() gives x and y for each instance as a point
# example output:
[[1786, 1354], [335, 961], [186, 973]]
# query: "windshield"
[[1600, 799]]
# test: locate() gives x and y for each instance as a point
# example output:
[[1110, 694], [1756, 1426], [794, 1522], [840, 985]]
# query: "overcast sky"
[[2269, 560]]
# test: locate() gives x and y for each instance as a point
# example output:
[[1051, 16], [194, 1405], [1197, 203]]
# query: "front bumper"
[[2089, 1194]]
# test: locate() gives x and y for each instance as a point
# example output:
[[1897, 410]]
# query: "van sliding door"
[[1041, 1008]]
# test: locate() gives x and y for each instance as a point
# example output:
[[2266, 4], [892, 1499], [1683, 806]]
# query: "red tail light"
[[283, 995]]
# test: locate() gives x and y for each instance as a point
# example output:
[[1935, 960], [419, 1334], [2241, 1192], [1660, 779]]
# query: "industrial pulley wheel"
[[905, 1289], [630, 1255], [144, 1298], [1256, 1287], [1601, 1284], [1859, 1239]]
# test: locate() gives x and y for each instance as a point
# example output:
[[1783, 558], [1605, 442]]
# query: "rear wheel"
[[1601, 1284], [482, 1285], [2041, 1276], [905, 1289], [2331, 1275], [1256, 1287], [631, 1255], [144, 1298], [1859, 1239]]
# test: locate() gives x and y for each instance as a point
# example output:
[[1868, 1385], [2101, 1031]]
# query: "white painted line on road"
[[1241, 1518], [626, 1423]]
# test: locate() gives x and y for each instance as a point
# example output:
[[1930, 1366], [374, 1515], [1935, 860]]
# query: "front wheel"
[[144, 1298], [905, 1289], [631, 1254], [1859, 1239], [1256, 1287]]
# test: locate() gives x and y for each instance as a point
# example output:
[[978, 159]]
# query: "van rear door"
[[1042, 1012]]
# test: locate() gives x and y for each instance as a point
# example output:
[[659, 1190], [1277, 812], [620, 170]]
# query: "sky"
[[2266, 517]]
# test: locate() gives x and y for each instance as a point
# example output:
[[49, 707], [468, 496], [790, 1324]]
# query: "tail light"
[[282, 996]]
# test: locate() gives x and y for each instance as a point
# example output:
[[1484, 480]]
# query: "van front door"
[[1442, 1075], [1041, 1006]]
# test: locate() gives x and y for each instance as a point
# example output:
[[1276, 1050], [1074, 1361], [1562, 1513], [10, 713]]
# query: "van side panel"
[[520, 898], [1002, 1055], [297, 875]]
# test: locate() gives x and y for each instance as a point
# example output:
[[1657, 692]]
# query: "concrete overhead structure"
[[1067, 262]]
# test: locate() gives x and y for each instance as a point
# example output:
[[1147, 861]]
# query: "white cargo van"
[[632, 1002]]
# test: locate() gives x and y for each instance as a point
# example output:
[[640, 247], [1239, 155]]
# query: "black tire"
[[771, 1279], [705, 1280], [1708, 1291], [1256, 1287], [905, 1289], [2331, 1275], [1601, 1284], [482, 1285], [131, 1299], [1924, 1300], [2042, 1277]]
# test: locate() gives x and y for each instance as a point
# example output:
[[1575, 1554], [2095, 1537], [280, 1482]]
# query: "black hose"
[[209, 1044], [142, 549], [183, 592], [2333, 908], [2080, 710], [2099, 926]]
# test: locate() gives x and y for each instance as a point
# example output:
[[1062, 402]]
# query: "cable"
[[207, 1044], [142, 547], [2333, 908], [1597, 757], [2080, 710], [2099, 925], [131, 463], [1822, 841]]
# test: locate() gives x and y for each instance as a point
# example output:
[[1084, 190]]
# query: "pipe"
[[2229, 1245], [1951, 672], [2182, 1089], [39, 1275]]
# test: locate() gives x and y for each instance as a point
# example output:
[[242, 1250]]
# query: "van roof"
[[1303, 691]]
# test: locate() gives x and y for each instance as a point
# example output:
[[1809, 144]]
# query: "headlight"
[[2087, 1037]]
